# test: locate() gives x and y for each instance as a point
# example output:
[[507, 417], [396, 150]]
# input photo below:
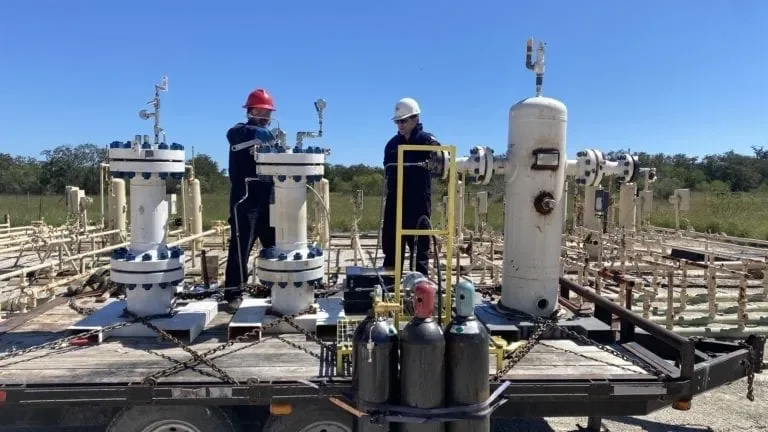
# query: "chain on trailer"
[[512, 359], [196, 357], [288, 319], [545, 324], [255, 333]]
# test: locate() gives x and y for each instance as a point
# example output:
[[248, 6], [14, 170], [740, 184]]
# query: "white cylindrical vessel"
[[533, 221], [149, 212], [148, 269], [292, 268], [289, 216], [627, 208], [194, 211]]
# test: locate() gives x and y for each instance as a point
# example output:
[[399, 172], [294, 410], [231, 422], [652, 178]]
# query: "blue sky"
[[652, 75]]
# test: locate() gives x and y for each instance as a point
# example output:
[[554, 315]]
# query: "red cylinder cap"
[[424, 299]]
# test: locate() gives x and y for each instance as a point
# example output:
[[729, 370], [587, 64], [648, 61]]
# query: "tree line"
[[79, 166]]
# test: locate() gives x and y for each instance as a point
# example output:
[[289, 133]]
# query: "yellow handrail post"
[[398, 232], [449, 231]]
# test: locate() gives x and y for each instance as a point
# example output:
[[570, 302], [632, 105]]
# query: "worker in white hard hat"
[[417, 186]]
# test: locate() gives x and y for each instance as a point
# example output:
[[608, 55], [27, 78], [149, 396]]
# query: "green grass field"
[[743, 215]]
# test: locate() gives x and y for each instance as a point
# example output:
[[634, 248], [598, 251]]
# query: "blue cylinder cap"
[[465, 299]]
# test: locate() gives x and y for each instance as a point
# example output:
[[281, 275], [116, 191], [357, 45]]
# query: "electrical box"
[[358, 288], [646, 198], [172, 207], [602, 201], [482, 202]]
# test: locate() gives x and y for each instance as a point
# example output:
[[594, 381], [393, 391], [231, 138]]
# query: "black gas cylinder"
[[467, 360], [422, 359], [375, 368]]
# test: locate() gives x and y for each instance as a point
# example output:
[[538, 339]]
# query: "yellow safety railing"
[[449, 232]]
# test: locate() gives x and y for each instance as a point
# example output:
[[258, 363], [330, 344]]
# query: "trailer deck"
[[560, 376], [129, 360]]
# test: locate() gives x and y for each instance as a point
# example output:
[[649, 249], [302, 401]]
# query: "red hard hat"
[[259, 98]]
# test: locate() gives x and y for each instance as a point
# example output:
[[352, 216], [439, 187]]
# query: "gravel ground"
[[724, 409]]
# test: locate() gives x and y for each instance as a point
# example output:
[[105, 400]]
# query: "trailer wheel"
[[160, 418], [321, 416]]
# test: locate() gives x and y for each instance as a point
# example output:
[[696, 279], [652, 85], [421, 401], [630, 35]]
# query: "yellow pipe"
[[382, 308]]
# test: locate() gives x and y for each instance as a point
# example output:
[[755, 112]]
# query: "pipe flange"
[[589, 167]]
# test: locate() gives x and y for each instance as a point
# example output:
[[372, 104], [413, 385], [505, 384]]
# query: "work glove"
[[265, 136]]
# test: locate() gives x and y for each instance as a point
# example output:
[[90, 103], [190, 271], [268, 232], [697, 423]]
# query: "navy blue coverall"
[[253, 212], [416, 199]]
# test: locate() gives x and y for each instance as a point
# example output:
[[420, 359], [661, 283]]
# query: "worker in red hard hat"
[[417, 186], [251, 218]]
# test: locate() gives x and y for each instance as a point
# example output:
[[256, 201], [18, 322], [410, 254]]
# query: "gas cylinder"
[[467, 360], [375, 368], [422, 354]]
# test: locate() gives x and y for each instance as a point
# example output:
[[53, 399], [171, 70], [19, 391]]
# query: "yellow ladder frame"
[[448, 232]]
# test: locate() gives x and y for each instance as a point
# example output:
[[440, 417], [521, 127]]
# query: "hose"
[[325, 209]]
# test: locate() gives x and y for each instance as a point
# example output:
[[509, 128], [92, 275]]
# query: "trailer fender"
[[314, 416], [163, 418]]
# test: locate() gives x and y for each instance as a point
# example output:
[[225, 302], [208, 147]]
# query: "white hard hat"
[[406, 107]]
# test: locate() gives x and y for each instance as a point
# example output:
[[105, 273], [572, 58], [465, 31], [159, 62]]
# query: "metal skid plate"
[[253, 313], [186, 322], [513, 328]]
